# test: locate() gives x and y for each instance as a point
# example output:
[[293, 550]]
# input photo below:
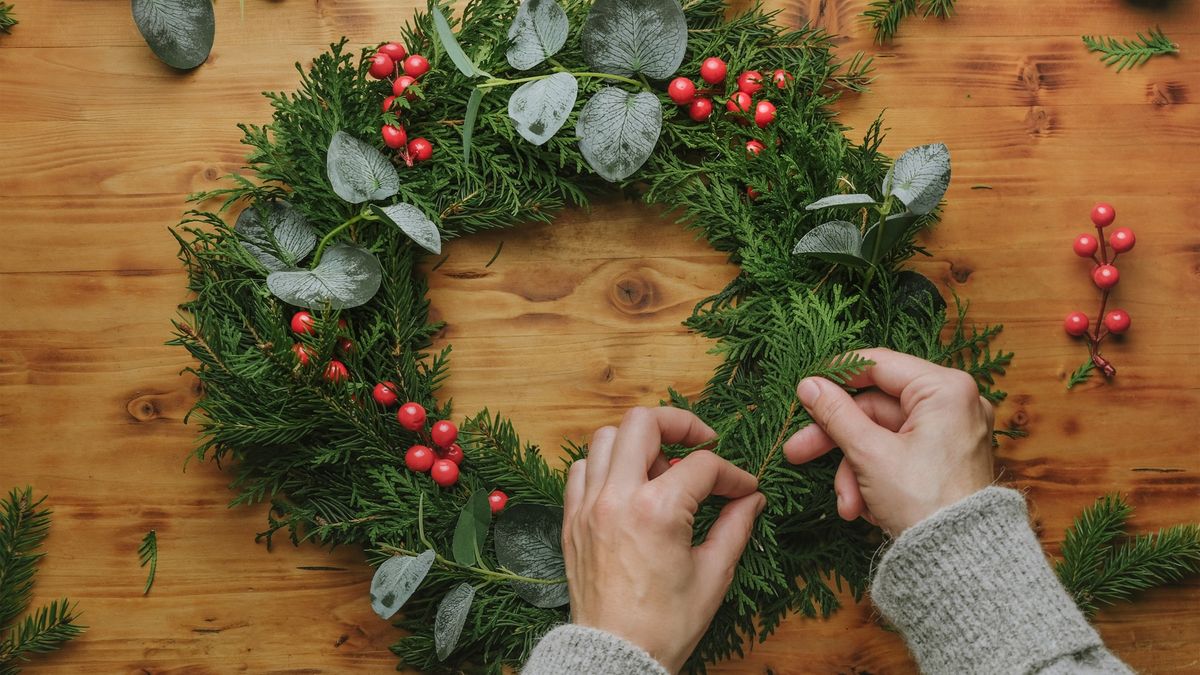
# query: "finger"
[[892, 371], [845, 423], [573, 497], [717, 557], [599, 453], [850, 503], [812, 442], [702, 473], [641, 436], [989, 412]]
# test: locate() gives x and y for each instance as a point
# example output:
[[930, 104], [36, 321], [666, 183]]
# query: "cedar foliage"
[[1128, 53], [332, 468]]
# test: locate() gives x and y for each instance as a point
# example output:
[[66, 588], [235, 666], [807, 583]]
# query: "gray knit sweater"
[[968, 587]]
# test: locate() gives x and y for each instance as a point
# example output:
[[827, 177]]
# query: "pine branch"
[[148, 555], [885, 16], [1082, 374], [7, 20], [44, 631], [943, 9], [1128, 53], [23, 527]]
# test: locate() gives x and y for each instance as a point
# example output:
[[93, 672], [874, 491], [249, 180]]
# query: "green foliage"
[[332, 468], [148, 555], [1097, 569], [1082, 374], [885, 16], [1127, 53], [7, 20], [24, 524]]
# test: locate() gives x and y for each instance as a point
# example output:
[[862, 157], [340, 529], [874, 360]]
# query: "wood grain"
[[574, 321]]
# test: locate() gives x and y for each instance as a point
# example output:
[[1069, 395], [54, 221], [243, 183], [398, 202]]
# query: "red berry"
[[420, 149], [764, 113], [682, 91], [750, 82], [416, 66], [394, 50], [303, 323], [713, 70], [1076, 323], [382, 66], [444, 472], [411, 416], [754, 147], [342, 325], [303, 354], [1106, 276], [385, 394], [1117, 321], [345, 345], [419, 458], [739, 102], [387, 104], [1103, 214], [1086, 245], [400, 87], [335, 371], [752, 193], [700, 109], [674, 460], [497, 500], [393, 136], [443, 433], [781, 78], [455, 454], [1121, 240]]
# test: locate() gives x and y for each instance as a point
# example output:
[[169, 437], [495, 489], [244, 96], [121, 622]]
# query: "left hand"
[[627, 533]]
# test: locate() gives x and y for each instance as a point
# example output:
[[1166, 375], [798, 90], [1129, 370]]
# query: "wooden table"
[[575, 321]]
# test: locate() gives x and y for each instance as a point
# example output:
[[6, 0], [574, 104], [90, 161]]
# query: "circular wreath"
[[335, 223]]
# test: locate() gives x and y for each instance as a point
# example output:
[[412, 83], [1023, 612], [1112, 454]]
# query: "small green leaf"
[[837, 241], [528, 542], [359, 172], [148, 555], [628, 37], [920, 177], [618, 131], [451, 617], [1082, 374], [348, 276], [453, 49], [471, 532], [180, 32], [895, 226], [916, 295], [537, 32], [469, 121], [538, 109], [413, 222], [280, 240], [396, 580], [840, 200]]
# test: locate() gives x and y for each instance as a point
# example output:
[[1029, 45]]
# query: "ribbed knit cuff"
[[580, 650], [970, 589]]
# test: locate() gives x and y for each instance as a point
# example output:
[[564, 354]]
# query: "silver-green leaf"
[[618, 130], [877, 243], [414, 223], [538, 109], [920, 177], [528, 542], [627, 37], [837, 241], [280, 240], [469, 120], [358, 171], [396, 580], [451, 617], [180, 32], [537, 32], [347, 276], [840, 200], [450, 43]]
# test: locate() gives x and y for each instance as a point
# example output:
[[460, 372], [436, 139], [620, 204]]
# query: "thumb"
[[832, 409], [718, 556]]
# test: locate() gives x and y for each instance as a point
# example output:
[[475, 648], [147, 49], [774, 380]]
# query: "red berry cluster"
[[391, 58], [1105, 275], [303, 323]]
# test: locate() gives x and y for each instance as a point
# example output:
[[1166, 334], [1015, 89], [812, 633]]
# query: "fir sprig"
[[7, 20], [1082, 374], [148, 555], [885, 16], [1126, 52]]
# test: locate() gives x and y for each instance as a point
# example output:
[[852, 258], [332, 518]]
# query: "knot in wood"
[[632, 293]]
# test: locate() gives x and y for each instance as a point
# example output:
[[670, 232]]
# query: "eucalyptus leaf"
[[396, 580], [469, 121], [837, 241], [895, 226], [358, 171], [916, 295], [280, 240], [628, 37], [537, 32], [471, 532], [347, 276], [538, 109], [179, 32], [528, 542], [451, 617], [920, 177], [840, 200], [414, 223], [618, 130], [453, 49]]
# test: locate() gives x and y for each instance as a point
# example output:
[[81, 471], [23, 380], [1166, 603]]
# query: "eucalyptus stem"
[[884, 208], [332, 233], [500, 82]]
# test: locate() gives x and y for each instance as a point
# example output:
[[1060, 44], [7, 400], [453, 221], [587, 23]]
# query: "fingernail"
[[809, 392]]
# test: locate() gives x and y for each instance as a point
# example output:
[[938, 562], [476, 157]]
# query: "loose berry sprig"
[[1105, 275], [392, 58]]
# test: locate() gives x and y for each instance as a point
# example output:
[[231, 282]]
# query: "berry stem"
[[332, 233]]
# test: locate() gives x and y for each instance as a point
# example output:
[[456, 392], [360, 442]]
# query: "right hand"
[[920, 441]]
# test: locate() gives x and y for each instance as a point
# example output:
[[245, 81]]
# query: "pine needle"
[[7, 20], [148, 555], [1082, 374], [885, 16], [1128, 53]]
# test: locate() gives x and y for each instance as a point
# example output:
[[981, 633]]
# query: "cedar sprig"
[[1128, 53], [1081, 374], [148, 555], [7, 20]]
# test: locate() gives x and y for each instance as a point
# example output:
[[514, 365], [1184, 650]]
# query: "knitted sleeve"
[[579, 650], [971, 591]]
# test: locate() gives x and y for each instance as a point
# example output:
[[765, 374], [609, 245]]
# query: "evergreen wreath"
[[479, 590]]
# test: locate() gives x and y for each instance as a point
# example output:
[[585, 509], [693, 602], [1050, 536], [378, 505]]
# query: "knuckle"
[[636, 414], [962, 383]]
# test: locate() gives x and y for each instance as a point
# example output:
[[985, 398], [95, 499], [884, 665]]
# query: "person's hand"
[[920, 441], [627, 533]]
